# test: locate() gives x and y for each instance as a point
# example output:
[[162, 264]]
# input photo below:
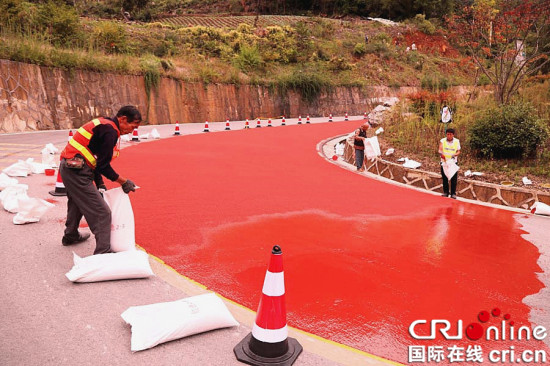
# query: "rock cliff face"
[[41, 98]]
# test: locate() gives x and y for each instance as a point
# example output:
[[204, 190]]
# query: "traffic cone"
[[330, 117], [246, 124], [299, 120], [307, 119], [60, 189], [283, 123], [269, 344], [70, 135], [177, 130], [346, 119], [258, 124], [365, 115], [206, 127], [135, 136], [227, 128], [269, 123]]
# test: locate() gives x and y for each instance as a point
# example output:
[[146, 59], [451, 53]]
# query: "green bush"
[[510, 131], [360, 49], [308, 85], [248, 58], [60, 22], [109, 37], [423, 24]]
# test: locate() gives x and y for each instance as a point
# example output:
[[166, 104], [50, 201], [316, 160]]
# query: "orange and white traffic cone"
[[283, 123], [269, 123], [258, 124], [346, 119], [269, 344], [60, 189], [307, 119], [246, 124], [227, 128], [365, 115], [299, 120], [206, 129], [177, 130], [70, 135], [135, 136], [330, 117]]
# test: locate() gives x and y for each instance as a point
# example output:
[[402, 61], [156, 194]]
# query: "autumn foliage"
[[506, 40]]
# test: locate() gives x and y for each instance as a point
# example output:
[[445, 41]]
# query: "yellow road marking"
[[9, 144], [327, 341]]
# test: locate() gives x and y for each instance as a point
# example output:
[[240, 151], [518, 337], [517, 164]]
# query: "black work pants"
[[85, 200], [453, 180]]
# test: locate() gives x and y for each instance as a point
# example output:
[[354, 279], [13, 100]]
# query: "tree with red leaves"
[[507, 39]]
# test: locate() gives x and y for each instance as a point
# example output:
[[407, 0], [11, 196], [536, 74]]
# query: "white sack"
[[155, 134], [48, 155], [123, 235], [526, 181], [449, 168], [19, 169], [158, 323], [339, 149], [390, 151], [412, 164], [31, 210], [379, 131], [372, 148], [10, 197], [110, 266], [6, 181], [36, 168], [540, 208]]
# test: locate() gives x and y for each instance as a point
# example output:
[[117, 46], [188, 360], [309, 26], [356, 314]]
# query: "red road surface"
[[363, 259]]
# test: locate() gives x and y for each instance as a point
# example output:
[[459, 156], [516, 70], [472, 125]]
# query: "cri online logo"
[[475, 330]]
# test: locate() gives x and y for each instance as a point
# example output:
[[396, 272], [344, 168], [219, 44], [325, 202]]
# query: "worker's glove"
[[128, 186]]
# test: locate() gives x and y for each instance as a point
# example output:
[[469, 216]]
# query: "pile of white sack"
[[151, 324], [14, 199]]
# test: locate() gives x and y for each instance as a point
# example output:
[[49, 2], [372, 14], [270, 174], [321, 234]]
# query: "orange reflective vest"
[[81, 139]]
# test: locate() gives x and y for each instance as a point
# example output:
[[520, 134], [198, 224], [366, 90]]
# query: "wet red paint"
[[51, 200], [362, 259]]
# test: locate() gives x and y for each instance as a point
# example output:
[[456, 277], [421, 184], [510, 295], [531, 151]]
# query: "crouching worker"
[[86, 158], [449, 149]]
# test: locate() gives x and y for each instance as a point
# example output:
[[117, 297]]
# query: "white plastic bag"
[[31, 210], [155, 134], [412, 164], [540, 208], [123, 235], [372, 148], [6, 181], [110, 266], [10, 197], [19, 169], [158, 323], [48, 155], [36, 168], [449, 168]]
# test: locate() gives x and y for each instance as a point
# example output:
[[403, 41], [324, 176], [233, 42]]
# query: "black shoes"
[[445, 195], [81, 237]]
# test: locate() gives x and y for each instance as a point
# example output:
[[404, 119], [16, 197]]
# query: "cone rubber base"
[[176, 134], [206, 131], [58, 193], [245, 355]]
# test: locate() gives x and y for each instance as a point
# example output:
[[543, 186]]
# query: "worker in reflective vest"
[[86, 158], [449, 148]]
